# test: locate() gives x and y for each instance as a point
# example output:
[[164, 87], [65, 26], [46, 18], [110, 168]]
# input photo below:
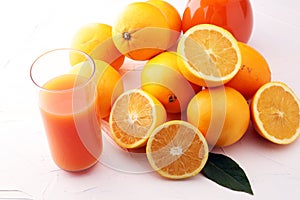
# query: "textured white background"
[[28, 28]]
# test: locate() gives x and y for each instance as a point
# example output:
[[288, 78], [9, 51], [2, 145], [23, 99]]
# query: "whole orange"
[[221, 114], [173, 18], [254, 72], [109, 85], [95, 39], [162, 79], [141, 31]]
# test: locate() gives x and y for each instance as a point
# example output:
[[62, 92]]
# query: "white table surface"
[[28, 28]]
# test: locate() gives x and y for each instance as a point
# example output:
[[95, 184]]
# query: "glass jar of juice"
[[234, 15]]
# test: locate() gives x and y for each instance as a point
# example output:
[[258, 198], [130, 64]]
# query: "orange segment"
[[212, 56], [177, 150], [276, 113], [133, 116]]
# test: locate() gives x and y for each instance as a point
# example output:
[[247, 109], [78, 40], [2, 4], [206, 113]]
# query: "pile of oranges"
[[215, 83]]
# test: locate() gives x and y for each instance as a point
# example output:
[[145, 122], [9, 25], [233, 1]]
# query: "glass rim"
[[64, 90]]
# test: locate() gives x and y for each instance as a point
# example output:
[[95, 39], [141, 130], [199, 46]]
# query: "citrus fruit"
[[173, 18], [141, 31], [221, 114], [133, 117], [275, 113], [177, 150], [234, 15], [95, 40], [161, 78], [109, 85], [211, 54], [254, 72]]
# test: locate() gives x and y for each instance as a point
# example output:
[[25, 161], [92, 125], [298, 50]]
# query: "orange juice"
[[68, 110]]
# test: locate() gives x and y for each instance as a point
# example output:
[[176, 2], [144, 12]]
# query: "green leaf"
[[226, 172]]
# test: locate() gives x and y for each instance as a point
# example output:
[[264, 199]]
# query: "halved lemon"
[[211, 54], [177, 150], [275, 111], [134, 116]]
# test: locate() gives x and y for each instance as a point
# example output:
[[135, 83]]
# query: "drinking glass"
[[67, 103]]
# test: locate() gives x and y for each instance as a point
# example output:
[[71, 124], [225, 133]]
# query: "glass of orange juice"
[[67, 103]]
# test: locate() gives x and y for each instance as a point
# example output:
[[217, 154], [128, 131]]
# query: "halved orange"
[[177, 150], [134, 116], [275, 111], [211, 53]]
